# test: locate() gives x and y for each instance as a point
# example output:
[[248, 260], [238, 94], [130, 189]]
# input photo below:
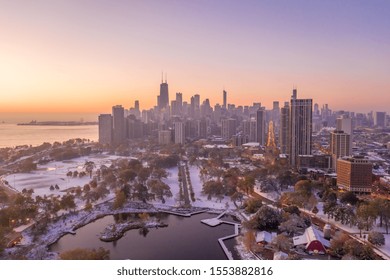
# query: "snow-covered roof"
[[265, 236], [221, 146], [311, 234], [252, 144]]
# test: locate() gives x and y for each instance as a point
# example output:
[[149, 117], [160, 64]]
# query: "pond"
[[185, 238]]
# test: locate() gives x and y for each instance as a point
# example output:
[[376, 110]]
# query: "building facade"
[[105, 129], [340, 146], [300, 128], [119, 128], [354, 174]]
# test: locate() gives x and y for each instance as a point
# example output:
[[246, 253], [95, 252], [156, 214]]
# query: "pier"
[[217, 221]]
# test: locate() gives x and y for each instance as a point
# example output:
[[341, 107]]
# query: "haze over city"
[[195, 130], [72, 57]]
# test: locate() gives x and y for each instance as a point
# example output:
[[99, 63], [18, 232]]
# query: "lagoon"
[[185, 238]]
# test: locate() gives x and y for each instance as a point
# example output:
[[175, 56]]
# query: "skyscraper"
[[179, 103], [276, 114], [300, 127], [228, 128], [105, 129], [196, 106], [260, 126], [284, 128], [179, 133], [252, 130], [339, 146], [380, 119], [119, 130], [344, 123], [224, 106], [163, 98]]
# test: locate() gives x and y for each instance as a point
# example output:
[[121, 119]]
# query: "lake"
[[185, 238], [12, 135]]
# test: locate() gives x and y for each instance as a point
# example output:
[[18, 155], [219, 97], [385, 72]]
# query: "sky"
[[69, 56]]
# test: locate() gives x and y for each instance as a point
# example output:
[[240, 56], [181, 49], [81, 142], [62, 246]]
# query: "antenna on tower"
[[166, 75], [162, 76]]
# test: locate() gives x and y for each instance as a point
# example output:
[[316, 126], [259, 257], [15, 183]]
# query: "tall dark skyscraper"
[[300, 128], [224, 106], [119, 129], [105, 129], [284, 128], [179, 102], [260, 126], [163, 98]]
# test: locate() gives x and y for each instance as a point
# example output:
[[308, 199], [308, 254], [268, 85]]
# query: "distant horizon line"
[[109, 109]]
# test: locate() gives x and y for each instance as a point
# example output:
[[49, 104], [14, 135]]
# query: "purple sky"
[[61, 55]]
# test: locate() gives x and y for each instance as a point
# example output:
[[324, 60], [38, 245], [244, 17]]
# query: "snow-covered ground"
[[201, 199], [197, 185], [173, 183], [352, 230], [54, 173]]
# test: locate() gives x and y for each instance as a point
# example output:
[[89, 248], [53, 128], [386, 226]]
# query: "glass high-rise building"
[[300, 128]]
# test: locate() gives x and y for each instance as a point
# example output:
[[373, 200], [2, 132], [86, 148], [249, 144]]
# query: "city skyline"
[[73, 57]]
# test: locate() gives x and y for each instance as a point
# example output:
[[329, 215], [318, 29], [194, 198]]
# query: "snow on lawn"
[[173, 183], [54, 173], [201, 199], [197, 185]]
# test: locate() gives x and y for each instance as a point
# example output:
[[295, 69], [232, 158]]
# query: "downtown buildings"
[[304, 133], [180, 122]]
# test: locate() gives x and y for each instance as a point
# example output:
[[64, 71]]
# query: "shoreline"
[[56, 123], [72, 221]]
